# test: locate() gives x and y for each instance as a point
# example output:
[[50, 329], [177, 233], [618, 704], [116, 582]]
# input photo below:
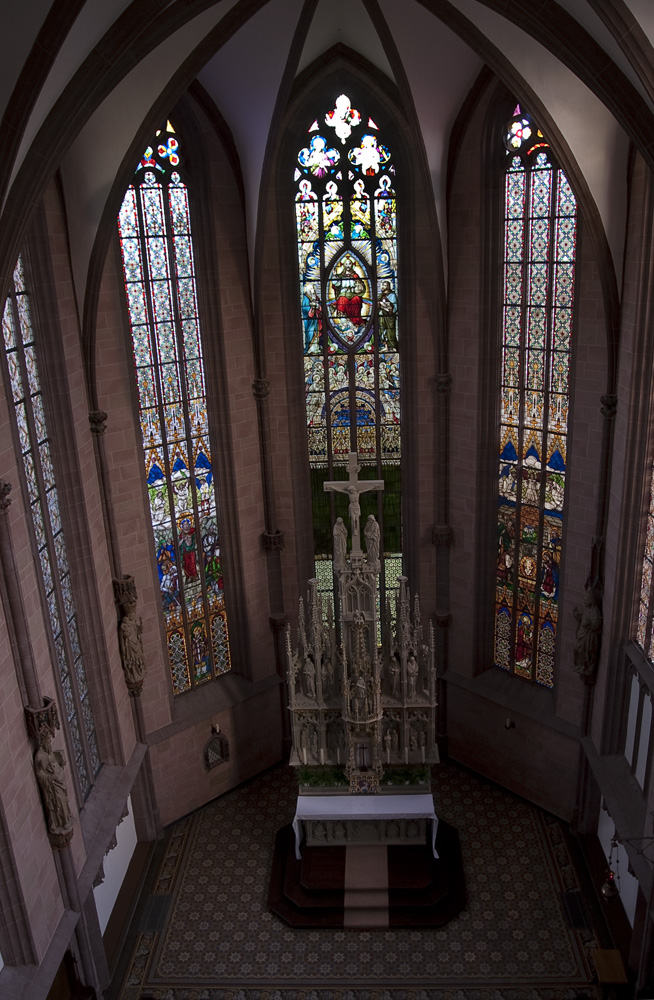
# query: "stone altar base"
[[366, 887]]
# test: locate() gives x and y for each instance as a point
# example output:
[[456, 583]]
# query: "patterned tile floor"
[[203, 931]]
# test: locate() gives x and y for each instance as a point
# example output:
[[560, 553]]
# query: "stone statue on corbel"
[[130, 635], [50, 770]]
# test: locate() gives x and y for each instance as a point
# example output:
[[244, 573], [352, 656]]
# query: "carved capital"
[[5, 490], [125, 591], [443, 382], [261, 388], [609, 405], [443, 620], [441, 534], [273, 541], [42, 721], [278, 623], [97, 421]]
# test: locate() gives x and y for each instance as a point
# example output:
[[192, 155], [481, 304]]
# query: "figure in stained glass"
[[317, 157], [312, 318], [187, 548], [343, 118], [369, 156], [387, 305], [349, 302]]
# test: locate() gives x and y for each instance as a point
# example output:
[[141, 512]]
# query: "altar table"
[[363, 807]]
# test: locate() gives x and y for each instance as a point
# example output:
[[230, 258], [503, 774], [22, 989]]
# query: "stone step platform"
[[367, 887]]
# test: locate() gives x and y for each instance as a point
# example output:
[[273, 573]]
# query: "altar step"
[[366, 887]]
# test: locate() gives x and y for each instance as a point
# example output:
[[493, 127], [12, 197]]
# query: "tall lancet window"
[[22, 363], [345, 207], [540, 234], [157, 251], [646, 605]]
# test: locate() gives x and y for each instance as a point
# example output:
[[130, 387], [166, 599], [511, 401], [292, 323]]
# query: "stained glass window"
[[345, 212], [22, 366], [540, 232], [644, 629], [159, 270]]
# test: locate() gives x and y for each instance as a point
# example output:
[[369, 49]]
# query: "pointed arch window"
[[159, 270], [346, 224], [21, 358], [646, 605], [540, 236]]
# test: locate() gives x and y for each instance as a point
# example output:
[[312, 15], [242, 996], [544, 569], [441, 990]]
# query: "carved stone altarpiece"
[[354, 703]]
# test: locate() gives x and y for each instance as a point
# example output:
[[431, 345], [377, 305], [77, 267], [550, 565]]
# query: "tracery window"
[[345, 204], [540, 234], [646, 605], [158, 262], [21, 358]]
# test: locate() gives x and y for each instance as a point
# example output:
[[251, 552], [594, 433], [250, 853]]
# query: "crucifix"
[[353, 488]]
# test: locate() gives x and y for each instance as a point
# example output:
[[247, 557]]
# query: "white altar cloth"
[[344, 807]]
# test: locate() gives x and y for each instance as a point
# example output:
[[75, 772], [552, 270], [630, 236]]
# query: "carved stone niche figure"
[[371, 533], [51, 776], [340, 544], [412, 674], [310, 678], [589, 634], [130, 635], [327, 676], [394, 671]]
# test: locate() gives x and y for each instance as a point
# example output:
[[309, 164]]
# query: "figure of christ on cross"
[[352, 487]]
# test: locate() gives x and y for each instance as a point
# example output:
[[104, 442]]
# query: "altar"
[[365, 849], [365, 819]]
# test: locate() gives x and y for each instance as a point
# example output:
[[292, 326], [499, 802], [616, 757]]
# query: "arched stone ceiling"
[[66, 103]]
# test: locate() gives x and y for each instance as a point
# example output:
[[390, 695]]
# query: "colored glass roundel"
[[346, 224], [159, 270], [540, 232]]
